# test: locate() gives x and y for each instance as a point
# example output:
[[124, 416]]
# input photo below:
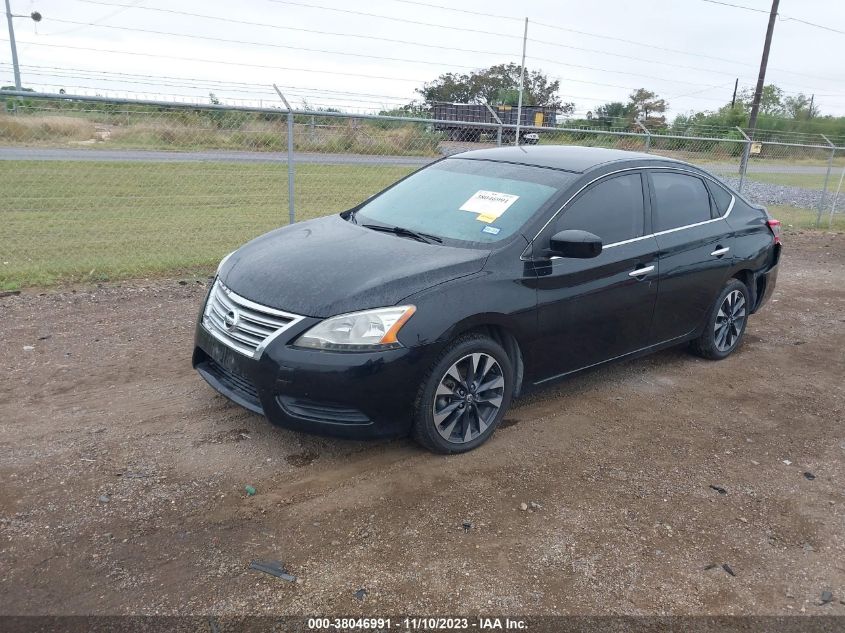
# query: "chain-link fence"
[[97, 188]]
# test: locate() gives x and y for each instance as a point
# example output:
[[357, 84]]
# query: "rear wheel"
[[726, 323], [464, 396]]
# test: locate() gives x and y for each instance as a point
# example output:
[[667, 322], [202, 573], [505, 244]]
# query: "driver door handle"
[[720, 251], [639, 272]]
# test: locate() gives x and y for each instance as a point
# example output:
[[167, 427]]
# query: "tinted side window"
[[721, 196], [611, 209], [680, 200]]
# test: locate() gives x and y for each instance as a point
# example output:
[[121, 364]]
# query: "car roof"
[[572, 158]]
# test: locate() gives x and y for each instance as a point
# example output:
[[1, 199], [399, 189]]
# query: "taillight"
[[774, 227]]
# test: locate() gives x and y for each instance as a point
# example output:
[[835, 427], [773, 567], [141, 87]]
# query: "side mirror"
[[574, 243]]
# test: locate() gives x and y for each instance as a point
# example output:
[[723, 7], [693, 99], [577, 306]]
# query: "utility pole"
[[733, 99], [521, 82], [810, 112], [758, 91], [14, 47], [761, 78], [36, 17]]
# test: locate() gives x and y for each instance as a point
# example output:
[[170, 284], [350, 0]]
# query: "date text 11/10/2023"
[[421, 623]]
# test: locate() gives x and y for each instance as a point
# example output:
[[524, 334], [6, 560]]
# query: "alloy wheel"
[[468, 398], [729, 321]]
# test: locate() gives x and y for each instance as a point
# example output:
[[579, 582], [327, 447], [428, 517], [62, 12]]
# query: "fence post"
[[826, 179], [835, 198], [647, 135], [499, 121], [291, 212], [743, 161]]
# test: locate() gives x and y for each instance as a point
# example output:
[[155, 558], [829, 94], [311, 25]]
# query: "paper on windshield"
[[489, 205]]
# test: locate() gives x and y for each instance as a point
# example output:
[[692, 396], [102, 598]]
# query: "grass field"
[[793, 218], [806, 181], [92, 221], [81, 221]]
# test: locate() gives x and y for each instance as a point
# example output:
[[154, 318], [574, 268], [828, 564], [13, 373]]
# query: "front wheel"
[[726, 323], [464, 396]]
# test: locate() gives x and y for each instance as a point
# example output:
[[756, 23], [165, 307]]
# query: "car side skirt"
[[630, 355]]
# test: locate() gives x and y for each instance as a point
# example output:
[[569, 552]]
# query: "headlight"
[[223, 261], [370, 330]]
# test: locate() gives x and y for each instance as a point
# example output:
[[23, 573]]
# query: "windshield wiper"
[[403, 232]]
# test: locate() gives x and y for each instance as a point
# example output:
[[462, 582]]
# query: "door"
[[695, 253], [592, 310]]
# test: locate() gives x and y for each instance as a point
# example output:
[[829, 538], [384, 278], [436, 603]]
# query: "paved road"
[[223, 156], [44, 153]]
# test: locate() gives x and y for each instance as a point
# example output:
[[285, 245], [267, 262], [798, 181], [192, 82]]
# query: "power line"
[[412, 43], [299, 29], [466, 11], [568, 30], [205, 82], [252, 89], [697, 92], [784, 18], [598, 69], [517, 37], [258, 96], [345, 53], [396, 41], [77, 73], [486, 52], [641, 59], [736, 6], [624, 40], [386, 17], [818, 26], [110, 15], [617, 72], [218, 62], [266, 44], [302, 95]]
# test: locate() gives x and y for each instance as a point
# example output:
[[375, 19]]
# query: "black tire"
[[478, 409], [717, 342]]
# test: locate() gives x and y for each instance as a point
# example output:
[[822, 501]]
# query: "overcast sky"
[[78, 48]]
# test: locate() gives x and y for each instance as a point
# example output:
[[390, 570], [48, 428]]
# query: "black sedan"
[[429, 307]]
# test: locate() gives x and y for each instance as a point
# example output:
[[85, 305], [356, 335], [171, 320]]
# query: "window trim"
[[706, 176], [711, 186], [643, 191]]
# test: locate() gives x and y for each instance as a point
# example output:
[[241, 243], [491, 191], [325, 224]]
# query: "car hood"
[[329, 266]]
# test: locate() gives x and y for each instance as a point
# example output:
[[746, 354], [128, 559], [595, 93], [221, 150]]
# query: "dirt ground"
[[123, 477]]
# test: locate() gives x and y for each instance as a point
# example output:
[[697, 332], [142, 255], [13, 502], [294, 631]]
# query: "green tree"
[[612, 112], [771, 101], [497, 85], [800, 107], [645, 104]]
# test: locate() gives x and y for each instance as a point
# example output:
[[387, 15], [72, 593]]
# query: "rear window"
[[680, 200], [722, 197], [466, 200]]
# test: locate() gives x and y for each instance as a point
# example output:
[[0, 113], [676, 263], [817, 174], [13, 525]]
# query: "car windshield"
[[466, 200]]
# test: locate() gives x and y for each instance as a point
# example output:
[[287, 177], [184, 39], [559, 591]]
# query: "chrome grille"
[[241, 324]]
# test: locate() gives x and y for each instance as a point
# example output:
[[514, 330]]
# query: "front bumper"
[[363, 395]]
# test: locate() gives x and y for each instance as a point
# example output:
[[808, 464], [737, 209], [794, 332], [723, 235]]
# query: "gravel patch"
[[771, 194]]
